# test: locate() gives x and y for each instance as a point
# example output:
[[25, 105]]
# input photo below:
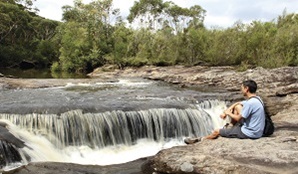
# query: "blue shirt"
[[253, 115]]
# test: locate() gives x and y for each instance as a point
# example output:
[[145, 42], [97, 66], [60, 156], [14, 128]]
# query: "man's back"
[[254, 118]]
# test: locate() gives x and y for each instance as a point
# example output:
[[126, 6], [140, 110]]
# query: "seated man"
[[247, 116]]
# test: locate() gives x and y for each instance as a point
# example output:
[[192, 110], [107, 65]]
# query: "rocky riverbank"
[[275, 85], [275, 154]]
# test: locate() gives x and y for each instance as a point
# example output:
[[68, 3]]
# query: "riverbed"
[[120, 120]]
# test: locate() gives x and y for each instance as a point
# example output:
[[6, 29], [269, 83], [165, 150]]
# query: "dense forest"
[[155, 33]]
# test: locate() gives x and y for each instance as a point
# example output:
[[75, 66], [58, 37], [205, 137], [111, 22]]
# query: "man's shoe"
[[192, 140]]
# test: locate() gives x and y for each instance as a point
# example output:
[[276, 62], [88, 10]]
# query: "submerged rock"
[[8, 154], [8, 137]]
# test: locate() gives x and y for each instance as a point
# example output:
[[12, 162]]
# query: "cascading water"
[[110, 137]]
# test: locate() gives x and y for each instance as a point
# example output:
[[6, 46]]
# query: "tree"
[[226, 47], [146, 11], [74, 50], [86, 48], [156, 14], [121, 38], [195, 43], [14, 20], [23, 35], [163, 52], [286, 40], [258, 46]]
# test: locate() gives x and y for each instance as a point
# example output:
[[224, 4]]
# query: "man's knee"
[[238, 109]]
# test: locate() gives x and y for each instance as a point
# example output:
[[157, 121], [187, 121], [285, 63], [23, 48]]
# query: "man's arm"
[[235, 116], [231, 108], [230, 111]]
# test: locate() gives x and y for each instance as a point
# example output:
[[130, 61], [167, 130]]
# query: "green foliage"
[[46, 52], [24, 36], [136, 61], [94, 34], [140, 44], [267, 44], [56, 67], [286, 40], [226, 47], [195, 43], [162, 53], [75, 48], [120, 52], [86, 35]]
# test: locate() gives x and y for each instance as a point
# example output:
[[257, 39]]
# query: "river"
[[105, 123]]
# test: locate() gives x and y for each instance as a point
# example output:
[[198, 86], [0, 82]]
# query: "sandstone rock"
[[187, 167], [133, 167], [223, 155], [290, 89]]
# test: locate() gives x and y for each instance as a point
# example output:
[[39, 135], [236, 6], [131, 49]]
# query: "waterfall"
[[74, 134]]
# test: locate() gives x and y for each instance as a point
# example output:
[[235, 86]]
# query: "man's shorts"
[[233, 132]]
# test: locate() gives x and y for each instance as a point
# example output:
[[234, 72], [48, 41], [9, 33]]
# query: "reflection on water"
[[37, 73]]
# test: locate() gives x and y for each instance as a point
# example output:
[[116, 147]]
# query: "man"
[[248, 117]]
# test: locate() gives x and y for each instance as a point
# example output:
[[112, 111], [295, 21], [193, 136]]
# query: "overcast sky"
[[220, 13]]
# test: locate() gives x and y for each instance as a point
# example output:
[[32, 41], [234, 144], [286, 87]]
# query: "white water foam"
[[117, 154], [41, 149], [214, 110], [121, 82]]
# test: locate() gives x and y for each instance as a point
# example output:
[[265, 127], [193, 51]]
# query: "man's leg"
[[213, 135], [216, 133], [237, 110]]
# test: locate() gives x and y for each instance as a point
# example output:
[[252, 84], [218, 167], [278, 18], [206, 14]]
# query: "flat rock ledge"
[[275, 154]]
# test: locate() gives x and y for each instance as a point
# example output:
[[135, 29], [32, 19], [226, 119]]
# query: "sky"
[[220, 13]]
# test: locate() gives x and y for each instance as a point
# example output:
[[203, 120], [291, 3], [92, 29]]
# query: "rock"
[[223, 155], [6, 136], [274, 84], [133, 167], [290, 89], [9, 154], [187, 167], [12, 83], [288, 139]]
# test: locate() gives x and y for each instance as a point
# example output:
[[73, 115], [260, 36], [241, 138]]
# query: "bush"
[[56, 67]]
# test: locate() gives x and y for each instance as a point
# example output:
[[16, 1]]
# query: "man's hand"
[[228, 112], [223, 116]]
